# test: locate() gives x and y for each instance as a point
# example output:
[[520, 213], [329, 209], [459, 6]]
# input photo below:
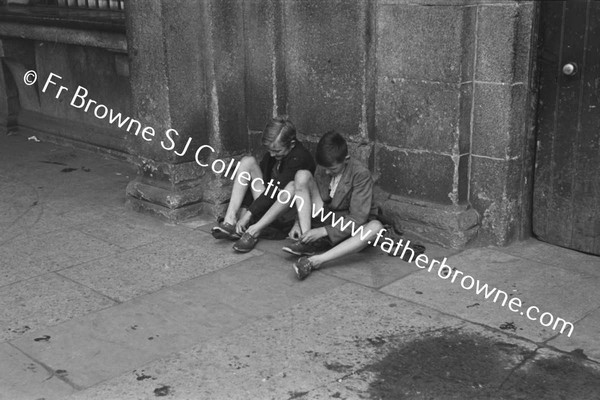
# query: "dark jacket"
[[352, 200], [298, 158]]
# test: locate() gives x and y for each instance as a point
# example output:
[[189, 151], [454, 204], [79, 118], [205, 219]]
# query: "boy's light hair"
[[279, 128]]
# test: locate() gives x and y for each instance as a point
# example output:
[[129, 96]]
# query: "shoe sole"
[[219, 233], [297, 253], [242, 250]]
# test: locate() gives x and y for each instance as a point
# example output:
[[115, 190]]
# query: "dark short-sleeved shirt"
[[299, 158]]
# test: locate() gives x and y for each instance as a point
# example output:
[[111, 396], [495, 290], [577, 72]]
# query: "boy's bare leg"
[[272, 213], [250, 165], [307, 190], [351, 245]]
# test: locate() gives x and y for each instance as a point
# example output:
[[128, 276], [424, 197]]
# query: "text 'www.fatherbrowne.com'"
[[80, 99]]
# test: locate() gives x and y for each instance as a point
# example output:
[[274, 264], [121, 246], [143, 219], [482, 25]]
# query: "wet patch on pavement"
[[68, 169], [337, 367], [459, 365], [296, 395], [164, 390]]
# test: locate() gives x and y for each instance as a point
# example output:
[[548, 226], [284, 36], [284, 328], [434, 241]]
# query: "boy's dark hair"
[[332, 149]]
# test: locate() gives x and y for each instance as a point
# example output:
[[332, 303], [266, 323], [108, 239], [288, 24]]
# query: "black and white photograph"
[[299, 199]]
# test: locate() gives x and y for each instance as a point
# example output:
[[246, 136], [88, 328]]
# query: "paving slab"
[[21, 378], [548, 254], [35, 221], [148, 268], [563, 293], [105, 344], [34, 304], [375, 268], [370, 267], [29, 256], [326, 347], [586, 338], [260, 286]]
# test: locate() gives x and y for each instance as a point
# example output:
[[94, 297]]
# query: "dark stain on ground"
[[23, 329], [44, 338], [457, 365], [143, 377], [508, 326], [162, 391], [296, 395], [53, 162], [337, 367], [376, 341], [578, 353], [69, 169]]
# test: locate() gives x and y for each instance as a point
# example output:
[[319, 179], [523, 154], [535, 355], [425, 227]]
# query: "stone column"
[[424, 97], [187, 74], [451, 111], [3, 95], [501, 135]]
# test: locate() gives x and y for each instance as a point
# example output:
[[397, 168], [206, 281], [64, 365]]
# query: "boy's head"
[[332, 152], [279, 137]]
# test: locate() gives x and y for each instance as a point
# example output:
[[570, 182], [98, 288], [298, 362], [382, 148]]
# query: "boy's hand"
[[295, 232], [313, 235], [240, 226]]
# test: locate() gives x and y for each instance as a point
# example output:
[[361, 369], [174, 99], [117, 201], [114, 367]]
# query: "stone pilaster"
[[187, 71]]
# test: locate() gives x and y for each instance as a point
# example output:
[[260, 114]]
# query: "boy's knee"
[[248, 161], [290, 187], [302, 178], [374, 227]]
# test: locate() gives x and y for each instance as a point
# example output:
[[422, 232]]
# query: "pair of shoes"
[[224, 231], [306, 249], [245, 243], [303, 267]]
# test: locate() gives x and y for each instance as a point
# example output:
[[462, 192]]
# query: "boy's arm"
[[360, 208]]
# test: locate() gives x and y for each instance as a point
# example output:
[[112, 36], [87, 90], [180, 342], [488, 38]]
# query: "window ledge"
[[95, 28], [77, 18]]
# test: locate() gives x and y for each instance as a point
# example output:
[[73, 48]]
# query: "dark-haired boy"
[[337, 214]]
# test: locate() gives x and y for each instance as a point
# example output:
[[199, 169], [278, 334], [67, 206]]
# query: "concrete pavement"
[[98, 302]]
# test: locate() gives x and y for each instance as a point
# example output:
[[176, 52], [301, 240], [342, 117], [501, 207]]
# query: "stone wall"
[[432, 94], [452, 106]]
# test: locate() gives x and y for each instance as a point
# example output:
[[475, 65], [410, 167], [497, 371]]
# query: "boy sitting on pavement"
[[341, 197], [254, 202]]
